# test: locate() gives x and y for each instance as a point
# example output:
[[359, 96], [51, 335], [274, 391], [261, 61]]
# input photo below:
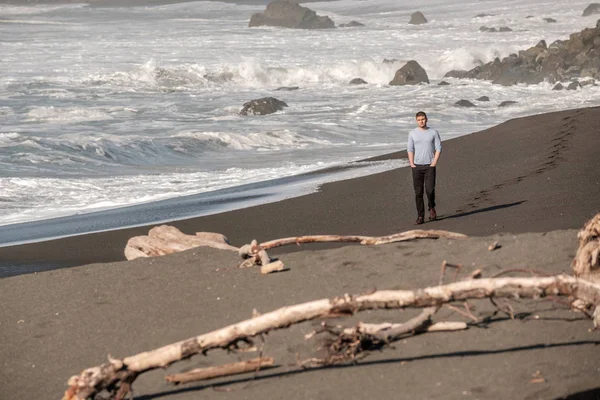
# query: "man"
[[424, 149]]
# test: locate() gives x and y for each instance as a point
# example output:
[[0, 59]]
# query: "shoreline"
[[186, 207], [541, 168]]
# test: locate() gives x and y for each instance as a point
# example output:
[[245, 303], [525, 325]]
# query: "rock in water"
[[563, 60], [464, 103], [263, 106], [289, 14], [351, 24], [417, 18], [593, 8], [410, 74]]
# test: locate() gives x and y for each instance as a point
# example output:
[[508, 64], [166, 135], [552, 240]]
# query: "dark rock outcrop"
[[443, 83], [410, 74], [483, 15], [507, 103], [558, 86], [358, 81], [289, 14], [263, 106], [549, 20], [563, 60], [464, 103], [483, 98], [417, 18], [351, 24], [593, 8], [287, 88], [573, 85]]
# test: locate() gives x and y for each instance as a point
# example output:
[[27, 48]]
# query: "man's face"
[[421, 121]]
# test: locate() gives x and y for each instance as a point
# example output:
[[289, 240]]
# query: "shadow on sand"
[[492, 208], [474, 353]]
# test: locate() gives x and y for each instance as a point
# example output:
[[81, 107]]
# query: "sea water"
[[102, 108]]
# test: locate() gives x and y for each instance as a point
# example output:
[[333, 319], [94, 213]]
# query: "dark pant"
[[424, 175]]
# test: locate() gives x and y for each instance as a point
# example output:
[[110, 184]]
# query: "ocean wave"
[[73, 151], [247, 74], [265, 141], [26, 9], [33, 22]]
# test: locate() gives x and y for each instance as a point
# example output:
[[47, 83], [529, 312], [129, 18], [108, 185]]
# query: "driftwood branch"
[[241, 367], [255, 253], [365, 240], [118, 374]]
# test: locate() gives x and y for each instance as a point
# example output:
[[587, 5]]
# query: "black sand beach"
[[529, 183]]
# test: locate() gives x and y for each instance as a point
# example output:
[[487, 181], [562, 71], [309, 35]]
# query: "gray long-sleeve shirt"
[[424, 143]]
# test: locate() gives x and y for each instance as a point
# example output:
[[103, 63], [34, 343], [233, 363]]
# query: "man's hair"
[[421, 114]]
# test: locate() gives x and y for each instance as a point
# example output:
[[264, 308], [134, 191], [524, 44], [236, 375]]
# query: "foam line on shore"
[[175, 209]]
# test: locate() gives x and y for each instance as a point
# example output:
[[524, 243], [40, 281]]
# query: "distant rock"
[[351, 24], [558, 86], [529, 17], [358, 81], [549, 20], [287, 88], [410, 74], [483, 98], [417, 18], [507, 103], [263, 106], [564, 60], [389, 60], [484, 15], [289, 14], [464, 103], [593, 8], [443, 83], [573, 85]]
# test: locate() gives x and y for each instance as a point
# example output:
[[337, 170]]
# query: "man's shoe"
[[419, 221], [432, 214]]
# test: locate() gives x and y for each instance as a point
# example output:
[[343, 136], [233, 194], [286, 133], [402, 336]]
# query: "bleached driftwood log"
[[365, 240], [241, 367], [166, 239], [586, 263], [116, 376], [255, 253]]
